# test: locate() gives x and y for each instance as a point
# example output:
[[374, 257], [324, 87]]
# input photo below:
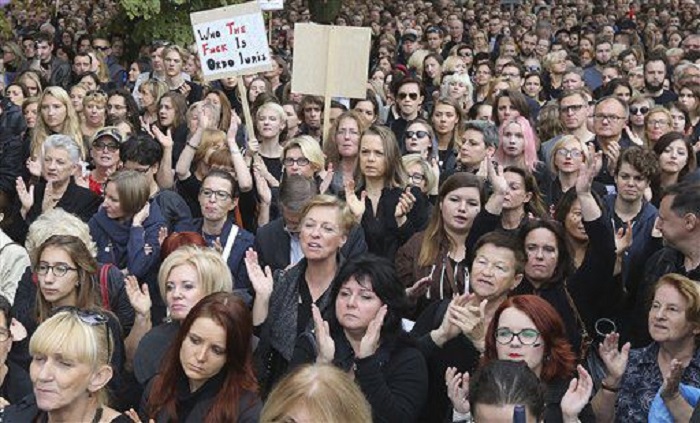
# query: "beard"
[[652, 88], [599, 63]]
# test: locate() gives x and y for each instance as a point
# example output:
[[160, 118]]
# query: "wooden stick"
[[246, 109]]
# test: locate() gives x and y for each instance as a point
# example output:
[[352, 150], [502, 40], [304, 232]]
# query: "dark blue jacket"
[[235, 262]]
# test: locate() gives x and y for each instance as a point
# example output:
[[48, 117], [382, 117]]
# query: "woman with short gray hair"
[[60, 161]]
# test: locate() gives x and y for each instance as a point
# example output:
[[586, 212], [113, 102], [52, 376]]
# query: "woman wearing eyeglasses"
[[282, 306], [657, 122], [126, 228], [207, 373], [104, 151], [70, 370], [218, 198], [527, 328], [94, 112], [60, 158], [303, 156]]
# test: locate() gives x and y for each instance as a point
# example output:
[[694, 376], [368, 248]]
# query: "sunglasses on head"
[[639, 110], [412, 96], [90, 318]]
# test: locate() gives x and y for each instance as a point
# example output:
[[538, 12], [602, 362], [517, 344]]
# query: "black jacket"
[[272, 243], [11, 119], [60, 73], [27, 410]]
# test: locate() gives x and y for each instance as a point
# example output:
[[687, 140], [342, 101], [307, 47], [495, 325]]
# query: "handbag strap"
[[585, 336], [229, 242]]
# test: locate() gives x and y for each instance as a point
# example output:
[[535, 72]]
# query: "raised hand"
[[26, 197], [577, 396], [34, 166], [470, 319], [458, 389], [672, 380], [165, 139], [324, 342], [370, 342], [588, 171], [326, 178], [615, 360], [623, 239], [496, 178], [447, 329], [357, 205], [252, 148], [261, 281], [139, 297], [419, 288], [613, 153], [404, 206]]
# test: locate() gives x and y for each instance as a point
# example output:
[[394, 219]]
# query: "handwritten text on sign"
[[230, 42]]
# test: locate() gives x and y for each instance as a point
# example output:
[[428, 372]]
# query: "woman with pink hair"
[[517, 144]]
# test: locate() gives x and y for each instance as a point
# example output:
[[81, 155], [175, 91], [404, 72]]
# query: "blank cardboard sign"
[[331, 60]]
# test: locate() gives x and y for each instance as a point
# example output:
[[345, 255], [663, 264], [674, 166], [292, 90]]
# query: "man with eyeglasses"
[[654, 76], [513, 72], [277, 242], [408, 95], [629, 210], [497, 269], [609, 119], [143, 154], [52, 69], [573, 114]]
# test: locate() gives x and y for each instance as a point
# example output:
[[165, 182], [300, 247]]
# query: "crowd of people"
[[505, 228]]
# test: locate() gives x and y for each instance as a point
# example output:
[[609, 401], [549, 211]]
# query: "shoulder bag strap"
[[229, 242]]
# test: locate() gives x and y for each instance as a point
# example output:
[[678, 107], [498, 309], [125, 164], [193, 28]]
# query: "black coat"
[[272, 243]]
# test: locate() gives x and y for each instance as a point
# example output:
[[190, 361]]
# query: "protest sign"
[[232, 41], [268, 5], [331, 61]]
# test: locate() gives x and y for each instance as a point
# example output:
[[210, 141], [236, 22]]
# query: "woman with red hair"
[[207, 374], [527, 328]]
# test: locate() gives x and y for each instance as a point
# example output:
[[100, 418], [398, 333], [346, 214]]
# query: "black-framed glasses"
[[609, 118], [412, 96], [101, 145], [90, 318], [57, 269], [504, 336], [219, 195], [639, 110], [416, 178], [101, 48], [417, 134], [301, 161]]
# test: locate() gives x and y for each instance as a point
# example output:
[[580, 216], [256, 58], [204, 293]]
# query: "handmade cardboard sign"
[[331, 60], [231, 41]]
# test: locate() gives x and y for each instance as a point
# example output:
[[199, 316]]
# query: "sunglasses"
[[417, 134], [412, 96], [90, 318], [639, 110], [101, 145]]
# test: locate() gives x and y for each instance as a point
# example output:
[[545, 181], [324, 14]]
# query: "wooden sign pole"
[[246, 109]]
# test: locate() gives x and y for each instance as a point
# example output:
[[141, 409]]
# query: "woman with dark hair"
[[620, 88], [689, 96], [482, 79], [367, 107], [676, 159], [176, 240], [522, 199], [509, 104], [680, 118], [432, 75], [207, 374], [581, 294], [171, 120], [364, 335], [433, 265], [527, 328], [282, 306], [389, 211]]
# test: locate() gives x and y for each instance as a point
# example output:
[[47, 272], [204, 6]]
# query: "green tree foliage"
[[324, 11], [163, 19]]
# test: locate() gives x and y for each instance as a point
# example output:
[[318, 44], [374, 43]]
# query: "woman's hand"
[[458, 389], [357, 205], [404, 206], [496, 178], [370, 342], [672, 381], [139, 297], [419, 288], [264, 191], [142, 215], [588, 171], [165, 139], [4, 403], [326, 178], [34, 166], [623, 239], [447, 329], [252, 148], [577, 396], [615, 361], [469, 318], [26, 197], [261, 281], [18, 331], [324, 342], [613, 153]]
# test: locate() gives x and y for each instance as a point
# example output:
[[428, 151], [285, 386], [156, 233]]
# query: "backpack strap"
[[104, 279]]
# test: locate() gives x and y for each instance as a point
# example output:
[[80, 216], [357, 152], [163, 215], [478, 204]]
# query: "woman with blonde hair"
[[319, 392], [458, 86], [303, 156], [657, 123], [270, 123], [77, 94], [420, 174], [77, 392], [187, 275], [31, 82], [94, 113], [554, 64], [56, 116]]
